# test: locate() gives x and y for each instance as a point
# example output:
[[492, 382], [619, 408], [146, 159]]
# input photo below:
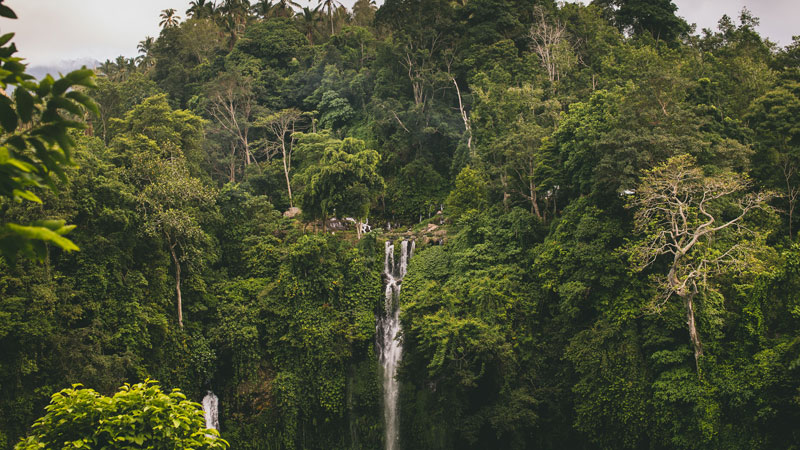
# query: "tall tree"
[[281, 125], [200, 9], [234, 15], [774, 118], [145, 58], [285, 8], [331, 5], [308, 20], [656, 17], [551, 42], [681, 214], [231, 103], [172, 203], [364, 12], [169, 18], [345, 179]]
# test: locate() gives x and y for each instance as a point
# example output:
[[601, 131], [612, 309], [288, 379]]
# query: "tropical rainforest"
[[601, 198]]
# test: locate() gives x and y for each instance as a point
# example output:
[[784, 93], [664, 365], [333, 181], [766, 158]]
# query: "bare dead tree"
[[678, 215], [524, 174], [231, 104], [549, 40], [282, 126], [419, 60], [465, 118], [461, 108]]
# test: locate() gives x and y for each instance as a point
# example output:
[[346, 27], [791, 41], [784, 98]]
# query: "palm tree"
[[309, 18], [169, 18], [146, 46], [118, 69], [234, 15], [331, 5], [364, 12], [107, 68], [200, 9], [145, 57], [236, 8], [286, 7], [263, 9]]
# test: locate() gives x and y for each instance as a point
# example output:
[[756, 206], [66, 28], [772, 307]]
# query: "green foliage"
[[345, 180], [320, 308], [36, 144], [470, 193], [135, 417], [656, 17], [529, 125]]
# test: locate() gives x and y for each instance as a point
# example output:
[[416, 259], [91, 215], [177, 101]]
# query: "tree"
[[308, 20], [145, 58], [774, 118], [200, 9], [285, 8], [346, 180], [159, 148], [169, 18], [36, 144], [231, 103], [138, 416], [234, 14], [172, 204], [364, 12], [550, 41], [656, 17], [470, 193], [511, 124], [331, 5], [698, 222], [281, 125], [114, 99]]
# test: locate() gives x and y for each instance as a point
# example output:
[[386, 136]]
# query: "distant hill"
[[39, 71]]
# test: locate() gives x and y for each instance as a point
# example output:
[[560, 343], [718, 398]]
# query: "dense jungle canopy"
[[602, 198]]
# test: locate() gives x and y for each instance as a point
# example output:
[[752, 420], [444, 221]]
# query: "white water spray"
[[388, 328], [210, 410]]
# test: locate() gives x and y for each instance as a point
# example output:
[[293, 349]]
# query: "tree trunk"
[[233, 163], [506, 195], [177, 283], [534, 203], [247, 154], [693, 335], [358, 229], [286, 173], [465, 118]]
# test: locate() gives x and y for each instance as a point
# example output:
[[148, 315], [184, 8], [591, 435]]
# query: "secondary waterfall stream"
[[210, 410], [388, 328]]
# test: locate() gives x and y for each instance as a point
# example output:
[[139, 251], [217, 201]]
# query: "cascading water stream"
[[388, 328], [210, 410]]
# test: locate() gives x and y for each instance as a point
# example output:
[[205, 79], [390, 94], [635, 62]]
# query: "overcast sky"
[[52, 31]]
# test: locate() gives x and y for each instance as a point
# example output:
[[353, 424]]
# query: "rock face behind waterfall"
[[388, 328]]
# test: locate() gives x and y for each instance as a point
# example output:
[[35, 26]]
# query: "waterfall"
[[210, 410], [387, 329]]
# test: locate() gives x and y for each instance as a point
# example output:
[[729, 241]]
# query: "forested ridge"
[[602, 200]]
